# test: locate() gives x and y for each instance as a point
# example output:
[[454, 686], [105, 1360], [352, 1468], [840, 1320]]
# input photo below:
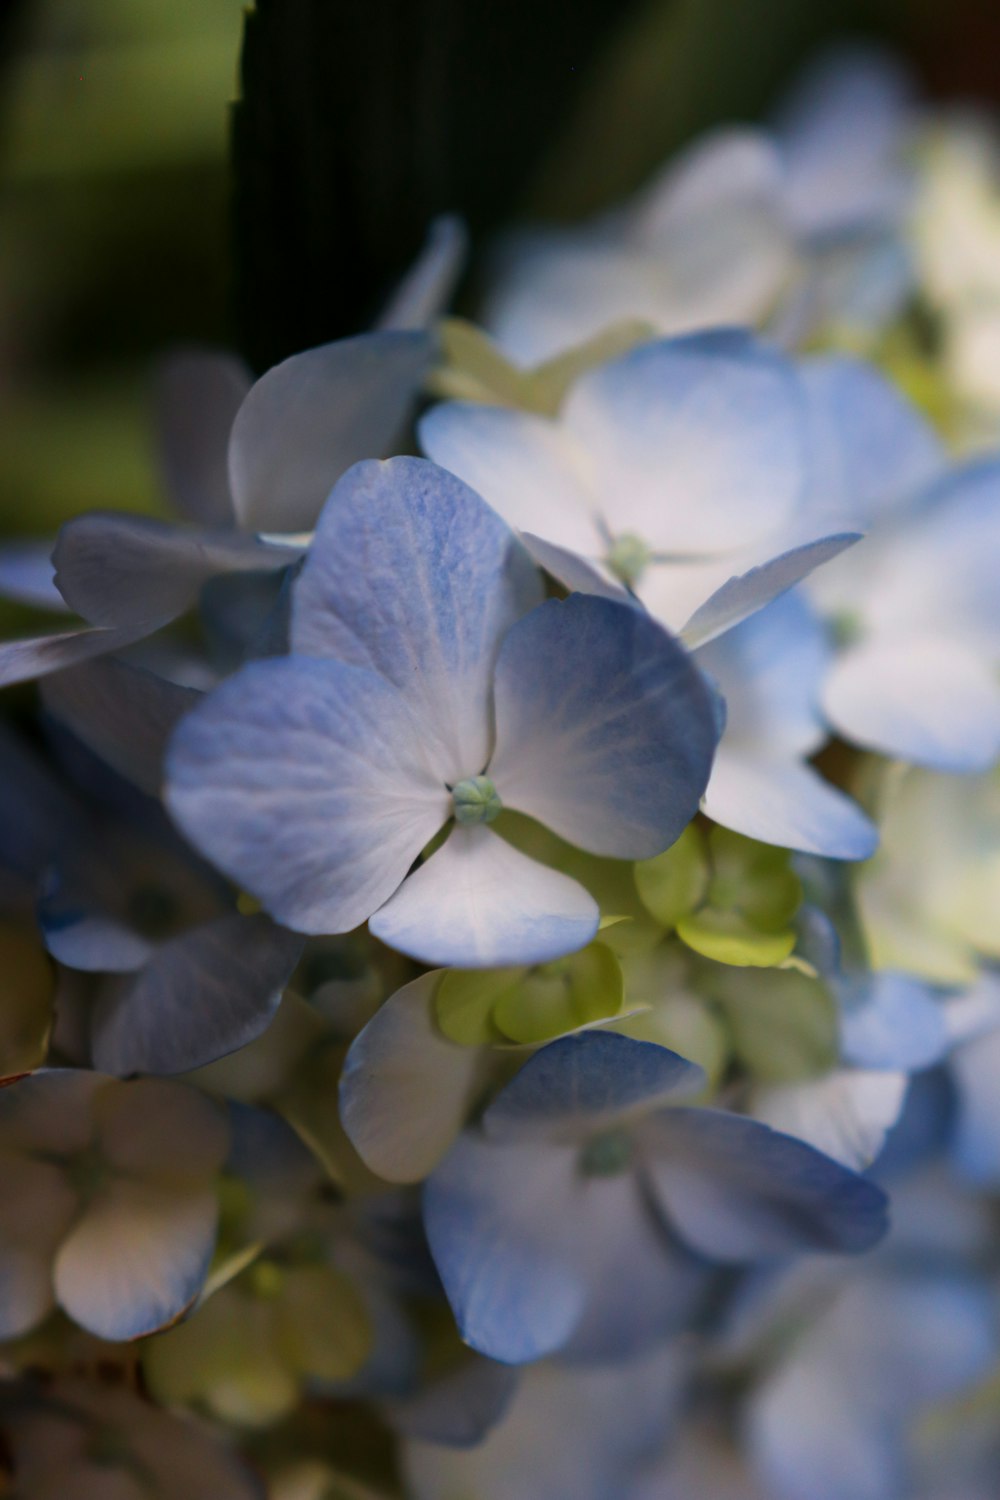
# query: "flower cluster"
[[501, 995]]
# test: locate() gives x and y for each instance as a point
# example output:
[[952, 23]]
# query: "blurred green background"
[[124, 228]]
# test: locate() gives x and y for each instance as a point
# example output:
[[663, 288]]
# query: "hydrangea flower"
[[426, 688], [110, 1211], [670, 470], [550, 1225], [915, 676]]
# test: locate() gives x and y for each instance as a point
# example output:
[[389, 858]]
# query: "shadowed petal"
[[605, 730], [584, 1083], [199, 996], [28, 577], [406, 1091], [121, 570], [23, 661], [123, 713], [309, 418], [479, 903], [303, 781], [737, 1191], [137, 1257]]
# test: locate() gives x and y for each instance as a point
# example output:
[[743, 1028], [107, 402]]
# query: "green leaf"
[[465, 1001], [728, 938], [562, 996], [675, 882], [784, 1025]]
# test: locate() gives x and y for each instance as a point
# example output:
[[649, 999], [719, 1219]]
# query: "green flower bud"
[[476, 801]]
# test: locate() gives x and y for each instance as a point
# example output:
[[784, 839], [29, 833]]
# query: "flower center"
[[475, 801], [607, 1155], [628, 557]]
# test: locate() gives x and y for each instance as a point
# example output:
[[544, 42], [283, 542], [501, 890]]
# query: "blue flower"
[[426, 684], [554, 1224]]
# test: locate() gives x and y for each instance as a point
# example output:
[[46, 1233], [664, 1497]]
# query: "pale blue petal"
[[926, 699], [303, 781], [768, 670], [847, 1114], [748, 592], [198, 393], [785, 802], [891, 1020], [737, 1191], [28, 577], [478, 903], [870, 447], [121, 570], [585, 1083], [311, 417], [198, 997], [426, 290], [935, 574], [506, 1227], [412, 576], [696, 443], [123, 713], [605, 730], [406, 1091], [525, 466]]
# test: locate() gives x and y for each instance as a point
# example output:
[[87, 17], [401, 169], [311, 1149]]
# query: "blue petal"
[[199, 996], [507, 1243], [304, 781], [696, 443], [459, 1408], [120, 570], [28, 577], [891, 1021], [526, 1245], [123, 713], [785, 802], [748, 592], [870, 447], [605, 731], [846, 1114], [927, 700], [479, 903], [582, 1083], [412, 576], [737, 1191], [311, 417], [198, 393]]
